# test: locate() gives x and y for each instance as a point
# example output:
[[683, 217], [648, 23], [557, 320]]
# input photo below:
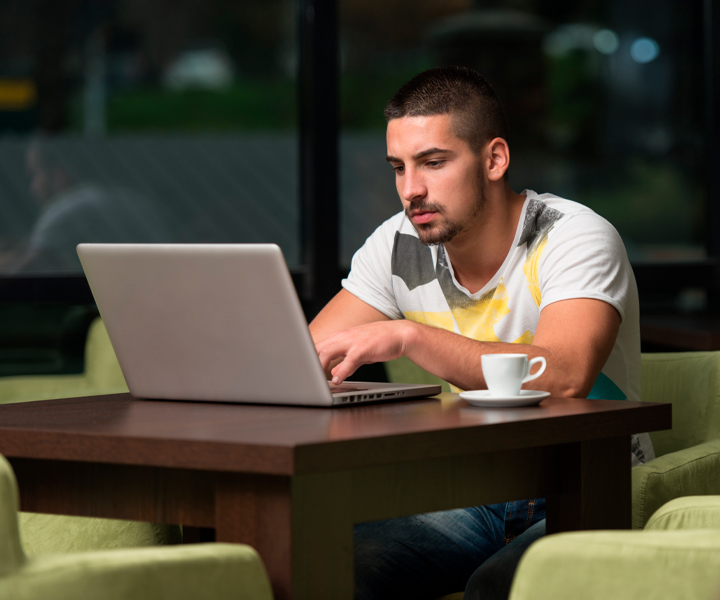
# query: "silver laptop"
[[215, 322]]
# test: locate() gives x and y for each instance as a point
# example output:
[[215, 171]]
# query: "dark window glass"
[[145, 121], [604, 101]]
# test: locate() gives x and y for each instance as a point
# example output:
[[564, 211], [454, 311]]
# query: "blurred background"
[[261, 121]]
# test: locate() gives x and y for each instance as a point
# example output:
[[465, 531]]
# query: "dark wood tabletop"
[[283, 440], [292, 480]]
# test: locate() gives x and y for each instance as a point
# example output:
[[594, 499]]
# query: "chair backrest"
[[403, 370], [101, 364], [691, 382], [11, 552]]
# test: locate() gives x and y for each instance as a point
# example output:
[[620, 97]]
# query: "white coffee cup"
[[505, 373]]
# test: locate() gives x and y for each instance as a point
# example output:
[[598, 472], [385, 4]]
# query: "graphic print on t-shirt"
[[539, 221], [473, 318], [412, 262]]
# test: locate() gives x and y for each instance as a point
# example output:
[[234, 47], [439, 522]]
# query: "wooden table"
[[293, 481]]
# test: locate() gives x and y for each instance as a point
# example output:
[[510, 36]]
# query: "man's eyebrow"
[[422, 154], [430, 151]]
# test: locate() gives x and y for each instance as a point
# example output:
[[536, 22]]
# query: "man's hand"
[[362, 345], [343, 312]]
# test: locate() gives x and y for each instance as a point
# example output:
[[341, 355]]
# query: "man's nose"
[[413, 186]]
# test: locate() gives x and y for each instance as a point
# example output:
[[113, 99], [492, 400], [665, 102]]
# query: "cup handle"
[[540, 371]]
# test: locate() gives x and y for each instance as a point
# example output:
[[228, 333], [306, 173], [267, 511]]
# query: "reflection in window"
[[143, 121]]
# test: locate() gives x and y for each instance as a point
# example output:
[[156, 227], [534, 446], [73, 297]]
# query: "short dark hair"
[[464, 94]]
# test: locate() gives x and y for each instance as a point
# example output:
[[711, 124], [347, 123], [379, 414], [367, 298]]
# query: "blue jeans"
[[430, 555]]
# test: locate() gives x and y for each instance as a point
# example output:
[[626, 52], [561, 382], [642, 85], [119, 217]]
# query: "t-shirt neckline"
[[495, 279]]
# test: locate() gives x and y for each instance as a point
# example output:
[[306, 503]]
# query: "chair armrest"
[[689, 472], [622, 565], [60, 534], [217, 571]]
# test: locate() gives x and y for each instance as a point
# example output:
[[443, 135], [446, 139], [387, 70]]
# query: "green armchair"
[[102, 375], [218, 571], [688, 455], [676, 556], [57, 534]]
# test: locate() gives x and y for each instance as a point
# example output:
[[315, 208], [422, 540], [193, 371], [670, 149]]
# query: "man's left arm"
[[575, 336]]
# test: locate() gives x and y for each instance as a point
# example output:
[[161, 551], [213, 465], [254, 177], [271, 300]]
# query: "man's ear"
[[497, 159]]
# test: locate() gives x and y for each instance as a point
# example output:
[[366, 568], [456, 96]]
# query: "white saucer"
[[485, 399]]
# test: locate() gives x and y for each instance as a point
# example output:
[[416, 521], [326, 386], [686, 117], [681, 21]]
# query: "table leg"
[[593, 486], [256, 510], [302, 529], [322, 537]]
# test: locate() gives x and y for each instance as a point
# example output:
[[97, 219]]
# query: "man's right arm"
[[343, 312]]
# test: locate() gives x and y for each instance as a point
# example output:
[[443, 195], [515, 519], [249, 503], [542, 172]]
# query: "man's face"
[[438, 177]]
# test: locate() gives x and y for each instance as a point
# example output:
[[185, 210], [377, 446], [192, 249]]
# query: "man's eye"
[[435, 163], [399, 169]]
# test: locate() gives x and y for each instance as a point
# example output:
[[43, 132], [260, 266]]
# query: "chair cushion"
[[216, 571], [622, 565]]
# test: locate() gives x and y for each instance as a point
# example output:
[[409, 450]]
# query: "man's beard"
[[432, 234]]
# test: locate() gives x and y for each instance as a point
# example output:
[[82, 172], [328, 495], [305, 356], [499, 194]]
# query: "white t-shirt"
[[562, 250]]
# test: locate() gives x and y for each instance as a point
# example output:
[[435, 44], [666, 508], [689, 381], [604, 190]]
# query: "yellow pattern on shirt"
[[531, 267], [525, 338], [441, 320], [477, 320]]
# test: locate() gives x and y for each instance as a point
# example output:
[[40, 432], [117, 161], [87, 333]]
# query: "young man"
[[471, 268]]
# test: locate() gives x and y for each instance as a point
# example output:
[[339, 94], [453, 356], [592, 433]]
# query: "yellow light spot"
[[17, 94]]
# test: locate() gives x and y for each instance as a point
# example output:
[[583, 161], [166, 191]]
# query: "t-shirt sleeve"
[[370, 277], [585, 258]]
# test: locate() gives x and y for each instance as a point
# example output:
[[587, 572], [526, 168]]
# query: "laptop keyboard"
[[339, 389]]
